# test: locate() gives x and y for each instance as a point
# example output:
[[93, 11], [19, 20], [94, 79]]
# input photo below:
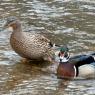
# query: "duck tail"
[[51, 44], [93, 55]]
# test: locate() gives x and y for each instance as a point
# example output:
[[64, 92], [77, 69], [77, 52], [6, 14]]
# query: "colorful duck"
[[77, 66]]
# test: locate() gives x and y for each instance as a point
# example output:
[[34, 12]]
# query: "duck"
[[78, 66], [72, 67], [32, 46]]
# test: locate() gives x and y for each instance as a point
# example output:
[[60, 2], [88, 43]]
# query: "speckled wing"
[[38, 45]]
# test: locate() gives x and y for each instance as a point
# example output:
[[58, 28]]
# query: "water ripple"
[[70, 22]]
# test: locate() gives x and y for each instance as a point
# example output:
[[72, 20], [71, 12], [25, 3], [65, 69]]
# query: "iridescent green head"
[[64, 49], [63, 54]]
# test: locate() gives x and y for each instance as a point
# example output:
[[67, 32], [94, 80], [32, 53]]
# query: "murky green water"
[[70, 22]]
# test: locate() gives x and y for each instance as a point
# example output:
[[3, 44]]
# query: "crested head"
[[63, 54], [64, 49]]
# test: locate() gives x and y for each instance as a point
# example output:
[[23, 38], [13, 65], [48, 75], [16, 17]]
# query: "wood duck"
[[77, 66]]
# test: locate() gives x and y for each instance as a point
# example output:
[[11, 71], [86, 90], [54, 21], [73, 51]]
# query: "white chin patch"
[[10, 29], [63, 59]]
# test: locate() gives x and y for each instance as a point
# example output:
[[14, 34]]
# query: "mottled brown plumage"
[[26, 44]]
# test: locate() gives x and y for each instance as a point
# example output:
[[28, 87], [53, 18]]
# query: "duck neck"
[[64, 59]]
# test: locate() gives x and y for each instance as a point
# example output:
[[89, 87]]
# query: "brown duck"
[[28, 45]]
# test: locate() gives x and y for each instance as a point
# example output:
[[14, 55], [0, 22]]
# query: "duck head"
[[12, 22], [63, 54]]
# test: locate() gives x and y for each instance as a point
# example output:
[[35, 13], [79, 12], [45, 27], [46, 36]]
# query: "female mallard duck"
[[28, 45]]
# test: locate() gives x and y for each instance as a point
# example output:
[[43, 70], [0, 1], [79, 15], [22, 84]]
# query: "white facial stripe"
[[61, 57]]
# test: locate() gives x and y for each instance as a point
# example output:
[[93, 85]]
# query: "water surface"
[[70, 22]]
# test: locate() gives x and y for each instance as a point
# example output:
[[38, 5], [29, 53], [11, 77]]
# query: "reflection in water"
[[70, 22], [24, 75]]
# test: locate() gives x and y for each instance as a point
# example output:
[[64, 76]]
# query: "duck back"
[[28, 45]]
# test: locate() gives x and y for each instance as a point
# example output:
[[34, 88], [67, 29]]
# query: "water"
[[70, 22]]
